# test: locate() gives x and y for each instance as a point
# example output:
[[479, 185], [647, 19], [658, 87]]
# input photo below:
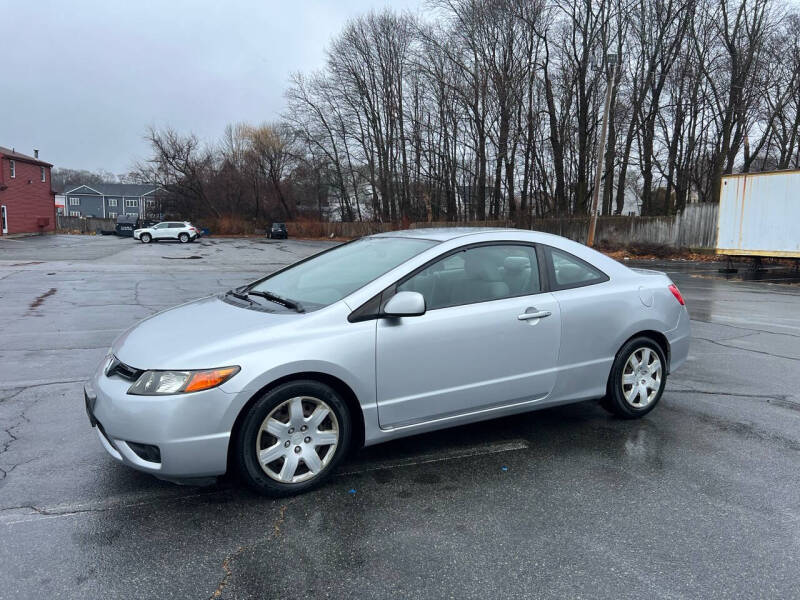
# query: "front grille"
[[116, 367]]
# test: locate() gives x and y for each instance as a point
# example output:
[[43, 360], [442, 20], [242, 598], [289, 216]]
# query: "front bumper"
[[191, 431]]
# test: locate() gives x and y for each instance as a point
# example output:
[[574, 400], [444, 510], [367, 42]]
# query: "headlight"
[[157, 383]]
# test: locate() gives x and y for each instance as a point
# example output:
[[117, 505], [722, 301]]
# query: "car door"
[[174, 229], [159, 231], [489, 337]]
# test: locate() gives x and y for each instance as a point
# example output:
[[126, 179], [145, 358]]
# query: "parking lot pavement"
[[701, 498]]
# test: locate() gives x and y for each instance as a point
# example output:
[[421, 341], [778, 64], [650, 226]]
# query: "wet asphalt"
[[701, 498]]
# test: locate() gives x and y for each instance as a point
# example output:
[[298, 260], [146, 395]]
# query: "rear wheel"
[[183, 237], [292, 438], [146, 238], [637, 379]]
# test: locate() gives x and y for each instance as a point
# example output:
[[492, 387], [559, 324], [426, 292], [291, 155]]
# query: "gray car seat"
[[483, 281], [517, 274]]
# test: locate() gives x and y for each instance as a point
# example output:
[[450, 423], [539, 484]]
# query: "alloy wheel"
[[641, 377]]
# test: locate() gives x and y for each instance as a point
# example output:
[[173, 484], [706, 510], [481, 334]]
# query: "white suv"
[[168, 230]]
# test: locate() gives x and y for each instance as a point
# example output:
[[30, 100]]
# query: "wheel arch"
[[658, 337], [344, 390]]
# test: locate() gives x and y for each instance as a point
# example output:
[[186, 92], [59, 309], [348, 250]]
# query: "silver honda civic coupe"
[[383, 337]]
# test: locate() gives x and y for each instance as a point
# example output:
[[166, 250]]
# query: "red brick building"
[[27, 203]]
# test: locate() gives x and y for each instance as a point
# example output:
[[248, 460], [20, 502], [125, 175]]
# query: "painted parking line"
[[478, 450]]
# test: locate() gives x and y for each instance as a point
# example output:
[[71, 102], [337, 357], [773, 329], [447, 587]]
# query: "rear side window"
[[568, 271]]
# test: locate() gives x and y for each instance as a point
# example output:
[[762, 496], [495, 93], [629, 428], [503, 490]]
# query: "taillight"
[[677, 293]]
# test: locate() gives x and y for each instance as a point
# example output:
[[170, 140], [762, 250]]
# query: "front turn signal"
[[203, 380]]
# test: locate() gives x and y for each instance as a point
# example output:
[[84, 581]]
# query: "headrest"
[[478, 266], [516, 264]]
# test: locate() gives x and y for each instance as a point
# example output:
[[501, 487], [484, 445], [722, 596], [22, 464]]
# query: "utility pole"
[[612, 59]]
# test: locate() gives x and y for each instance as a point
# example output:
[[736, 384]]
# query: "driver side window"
[[477, 274]]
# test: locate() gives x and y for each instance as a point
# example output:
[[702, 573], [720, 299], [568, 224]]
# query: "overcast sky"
[[81, 80]]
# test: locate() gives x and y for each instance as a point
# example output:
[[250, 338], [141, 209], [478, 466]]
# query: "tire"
[[269, 474], [643, 385], [146, 238], [183, 238]]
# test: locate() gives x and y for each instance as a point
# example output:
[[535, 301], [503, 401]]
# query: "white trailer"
[[759, 215]]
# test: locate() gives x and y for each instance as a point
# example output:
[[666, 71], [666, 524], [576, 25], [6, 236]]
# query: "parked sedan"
[[384, 337], [182, 231]]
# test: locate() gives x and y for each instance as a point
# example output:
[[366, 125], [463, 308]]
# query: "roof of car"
[[443, 234]]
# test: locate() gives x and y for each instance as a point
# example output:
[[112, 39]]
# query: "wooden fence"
[[695, 227], [84, 224]]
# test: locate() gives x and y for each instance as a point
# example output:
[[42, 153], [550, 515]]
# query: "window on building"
[[73, 201], [112, 201], [112, 215], [74, 213], [41, 170], [150, 202], [13, 166], [131, 203]]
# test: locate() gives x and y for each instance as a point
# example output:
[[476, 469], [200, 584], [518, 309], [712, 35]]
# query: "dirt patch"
[[654, 252], [41, 298]]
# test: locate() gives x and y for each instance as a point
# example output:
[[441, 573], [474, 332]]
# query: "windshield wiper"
[[294, 305], [238, 294]]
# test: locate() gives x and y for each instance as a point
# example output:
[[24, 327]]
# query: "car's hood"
[[206, 333]]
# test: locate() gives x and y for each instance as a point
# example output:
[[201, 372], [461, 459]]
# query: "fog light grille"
[[146, 452]]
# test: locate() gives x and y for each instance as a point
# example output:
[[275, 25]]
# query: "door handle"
[[537, 314]]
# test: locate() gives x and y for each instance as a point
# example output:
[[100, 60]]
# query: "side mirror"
[[405, 304]]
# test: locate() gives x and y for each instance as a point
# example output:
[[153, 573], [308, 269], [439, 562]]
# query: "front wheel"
[[637, 379], [146, 238], [292, 438]]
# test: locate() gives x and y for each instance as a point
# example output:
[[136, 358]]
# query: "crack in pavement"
[[776, 399], [226, 562], [746, 349], [20, 419], [94, 507], [715, 323], [738, 428], [35, 384]]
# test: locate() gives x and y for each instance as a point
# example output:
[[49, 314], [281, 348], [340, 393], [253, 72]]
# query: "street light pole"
[[601, 150]]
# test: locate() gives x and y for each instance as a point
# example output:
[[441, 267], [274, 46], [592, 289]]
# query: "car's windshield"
[[331, 276]]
